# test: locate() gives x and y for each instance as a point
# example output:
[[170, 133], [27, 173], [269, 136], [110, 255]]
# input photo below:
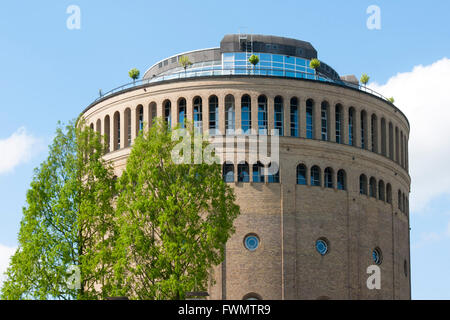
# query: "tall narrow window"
[[294, 117], [329, 178], [315, 176], [229, 114], [228, 172], [309, 119], [168, 113], [278, 115], [374, 133], [391, 141], [243, 172], [213, 115], [258, 172], [399, 197], [182, 112], [246, 114], [401, 149], [198, 113], [324, 120], [116, 131], [262, 115], [338, 117], [388, 193], [351, 127], [397, 157], [341, 177], [373, 187], [140, 118], [152, 113], [362, 184], [107, 133], [301, 174], [363, 129]]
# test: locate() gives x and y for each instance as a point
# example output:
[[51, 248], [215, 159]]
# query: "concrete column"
[[254, 100], [287, 116], [378, 135], [332, 122], [190, 109], [221, 119], [344, 126], [357, 128], [237, 112], [205, 116], [270, 114], [146, 116], [302, 117], [317, 120], [134, 123]]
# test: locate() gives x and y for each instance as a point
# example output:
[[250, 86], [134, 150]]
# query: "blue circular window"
[[322, 246], [251, 242], [376, 256]]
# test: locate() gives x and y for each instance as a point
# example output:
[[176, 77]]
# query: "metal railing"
[[212, 71]]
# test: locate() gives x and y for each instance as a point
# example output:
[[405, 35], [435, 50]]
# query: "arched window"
[[91, 126], [98, 126], [213, 115], [246, 114], [388, 193], [294, 117], [301, 174], [397, 154], [381, 191], [341, 180], [258, 172], [383, 136], [363, 129], [228, 172], [182, 112], [362, 184], [168, 113], [229, 114], [128, 126], [262, 114], [374, 133], [351, 126], [139, 119], [404, 203], [273, 175], [329, 178], [324, 120], [252, 296], [315, 176], [198, 112], [373, 187], [401, 149], [309, 119], [278, 115], [107, 133], [338, 119], [243, 172], [399, 197]]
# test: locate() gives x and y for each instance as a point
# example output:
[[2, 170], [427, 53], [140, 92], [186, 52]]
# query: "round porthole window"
[[376, 256], [251, 242], [322, 246]]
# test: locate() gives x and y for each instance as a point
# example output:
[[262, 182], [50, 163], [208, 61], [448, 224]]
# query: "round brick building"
[[339, 202]]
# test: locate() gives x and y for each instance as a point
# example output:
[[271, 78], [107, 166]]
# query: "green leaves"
[[254, 59], [314, 64], [184, 61], [364, 79], [174, 220], [134, 74]]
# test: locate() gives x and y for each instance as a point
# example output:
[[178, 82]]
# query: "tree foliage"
[[184, 62], [364, 79], [254, 59], [67, 222], [134, 74], [174, 220]]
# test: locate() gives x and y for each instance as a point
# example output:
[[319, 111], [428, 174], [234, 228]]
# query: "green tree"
[[174, 220], [391, 99], [254, 60], [134, 74], [314, 64], [67, 222], [364, 79], [184, 62]]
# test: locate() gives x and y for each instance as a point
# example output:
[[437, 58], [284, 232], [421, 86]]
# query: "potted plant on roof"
[[314, 64], [134, 74], [185, 63], [254, 60], [365, 79]]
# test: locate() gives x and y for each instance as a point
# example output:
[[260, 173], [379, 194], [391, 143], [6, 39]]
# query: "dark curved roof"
[[269, 44]]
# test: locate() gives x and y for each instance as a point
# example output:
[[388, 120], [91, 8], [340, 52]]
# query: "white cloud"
[[16, 149], [5, 254], [424, 97]]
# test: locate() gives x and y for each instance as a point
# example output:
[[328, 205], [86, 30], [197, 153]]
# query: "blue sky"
[[50, 73]]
